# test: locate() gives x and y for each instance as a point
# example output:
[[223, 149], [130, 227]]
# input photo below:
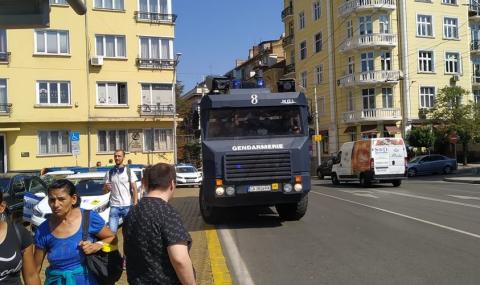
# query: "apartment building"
[[376, 65], [73, 93]]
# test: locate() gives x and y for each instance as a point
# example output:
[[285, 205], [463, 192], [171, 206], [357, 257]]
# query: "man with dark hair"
[[120, 182], [156, 243]]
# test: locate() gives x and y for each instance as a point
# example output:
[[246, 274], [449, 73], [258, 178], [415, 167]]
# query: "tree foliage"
[[421, 137]]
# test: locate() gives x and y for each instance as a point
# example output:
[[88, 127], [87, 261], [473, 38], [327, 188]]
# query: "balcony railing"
[[5, 108], [370, 77], [288, 40], [287, 12], [475, 46], [290, 68], [476, 80], [155, 17], [155, 63], [371, 40], [4, 57], [354, 5], [473, 9], [377, 114], [156, 110]]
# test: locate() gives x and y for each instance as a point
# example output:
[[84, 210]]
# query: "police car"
[[188, 175]]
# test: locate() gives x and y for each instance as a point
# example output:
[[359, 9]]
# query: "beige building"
[[374, 65]]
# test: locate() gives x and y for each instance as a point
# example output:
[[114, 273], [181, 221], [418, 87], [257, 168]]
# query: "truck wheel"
[[335, 180], [364, 181], [210, 215], [396, 183], [293, 211]]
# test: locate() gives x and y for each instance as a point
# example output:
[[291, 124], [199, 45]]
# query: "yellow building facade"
[[376, 65], [107, 76]]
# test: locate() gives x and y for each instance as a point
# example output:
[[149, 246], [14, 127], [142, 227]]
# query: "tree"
[[453, 114], [421, 137]]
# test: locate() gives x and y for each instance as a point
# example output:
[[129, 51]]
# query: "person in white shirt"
[[120, 182]]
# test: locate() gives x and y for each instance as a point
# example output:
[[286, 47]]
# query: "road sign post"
[[75, 143]]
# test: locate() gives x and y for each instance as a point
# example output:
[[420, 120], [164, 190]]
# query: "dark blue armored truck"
[[255, 152]]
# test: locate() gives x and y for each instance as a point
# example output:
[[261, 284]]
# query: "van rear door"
[[389, 156]]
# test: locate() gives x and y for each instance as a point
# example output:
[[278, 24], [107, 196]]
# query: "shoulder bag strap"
[[85, 224]]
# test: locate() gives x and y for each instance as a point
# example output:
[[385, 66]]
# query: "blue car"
[[431, 164]]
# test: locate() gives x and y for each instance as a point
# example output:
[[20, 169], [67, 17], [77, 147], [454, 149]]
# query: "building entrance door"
[[3, 155]]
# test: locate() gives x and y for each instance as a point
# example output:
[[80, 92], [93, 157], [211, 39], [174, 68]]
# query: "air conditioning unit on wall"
[[455, 78], [96, 61]]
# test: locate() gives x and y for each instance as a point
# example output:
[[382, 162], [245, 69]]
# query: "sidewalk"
[[466, 174]]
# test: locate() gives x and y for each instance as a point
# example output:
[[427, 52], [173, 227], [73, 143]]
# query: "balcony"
[[156, 110], [5, 109], [290, 68], [287, 12], [355, 6], [368, 41], [476, 80], [288, 40], [4, 57], [378, 114], [156, 18], [475, 47], [474, 10], [155, 63], [370, 77]]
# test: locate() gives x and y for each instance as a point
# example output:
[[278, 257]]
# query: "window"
[[384, 24], [367, 61], [424, 26], [351, 65], [54, 142], [449, 2], [154, 6], [303, 79], [303, 50], [450, 28], [319, 74], [52, 42], [476, 96], [3, 96], [3, 45], [350, 105], [111, 140], [153, 94], [365, 25], [425, 61], [110, 46], [452, 62], [386, 60], [58, 2], [109, 4], [53, 93], [111, 93], [368, 96], [387, 98], [349, 29], [321, 106], [161, 141], [316, 10], [427, 97], [301, 20], [156, 48], [292, 56], [318, 42]]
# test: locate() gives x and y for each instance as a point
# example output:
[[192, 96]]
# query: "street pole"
[[174, 91], [319, 159]]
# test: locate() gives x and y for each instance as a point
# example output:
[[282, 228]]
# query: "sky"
[[212, 34]]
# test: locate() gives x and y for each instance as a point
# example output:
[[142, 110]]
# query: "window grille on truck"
[[257, 166]]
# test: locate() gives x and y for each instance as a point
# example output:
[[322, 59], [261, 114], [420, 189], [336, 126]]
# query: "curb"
[[220, 272], [468, 181]]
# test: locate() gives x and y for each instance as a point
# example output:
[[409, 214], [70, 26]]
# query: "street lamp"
[[174, 89]]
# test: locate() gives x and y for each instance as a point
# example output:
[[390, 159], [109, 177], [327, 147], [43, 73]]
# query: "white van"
[[381, 160]]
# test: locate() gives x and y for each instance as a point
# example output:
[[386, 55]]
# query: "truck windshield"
[[254, 122]]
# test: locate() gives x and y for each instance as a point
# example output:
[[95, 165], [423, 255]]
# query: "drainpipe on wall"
[[87, 74], [404, 60]]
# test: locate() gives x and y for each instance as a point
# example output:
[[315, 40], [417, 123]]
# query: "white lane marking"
[[428, 198], [464, 197], [402, 215], [368, 194], [238, 265]]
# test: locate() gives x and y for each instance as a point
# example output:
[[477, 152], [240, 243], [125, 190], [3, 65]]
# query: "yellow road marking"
[[220, 272]]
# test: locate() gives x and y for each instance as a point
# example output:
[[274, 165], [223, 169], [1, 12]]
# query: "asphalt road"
[[425, 232]]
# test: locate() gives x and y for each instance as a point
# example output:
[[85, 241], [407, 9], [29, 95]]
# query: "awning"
[[392, 130], [369, 129], [350, 129], [9, 129]]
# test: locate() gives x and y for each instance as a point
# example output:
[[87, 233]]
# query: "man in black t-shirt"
[[156, 242]]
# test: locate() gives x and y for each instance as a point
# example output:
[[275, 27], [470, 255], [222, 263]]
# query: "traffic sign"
[[317, 138], [453, 138], [74, 136]]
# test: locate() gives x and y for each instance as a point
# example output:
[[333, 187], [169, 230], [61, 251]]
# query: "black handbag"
[[106, 266]]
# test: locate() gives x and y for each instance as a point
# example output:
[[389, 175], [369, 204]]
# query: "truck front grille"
[[257, 166]]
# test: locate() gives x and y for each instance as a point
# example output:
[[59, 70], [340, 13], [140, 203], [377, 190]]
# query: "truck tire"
[[364, 181], [335, 180], [397, 183], [211, 215], [293, 211]]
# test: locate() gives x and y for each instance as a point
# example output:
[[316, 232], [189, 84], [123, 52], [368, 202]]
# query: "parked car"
[[325, 168], [431, 164], [188, 175], [15, 185]]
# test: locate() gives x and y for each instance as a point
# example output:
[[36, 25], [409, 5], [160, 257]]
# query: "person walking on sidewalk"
[[120, 182], [156, 243]]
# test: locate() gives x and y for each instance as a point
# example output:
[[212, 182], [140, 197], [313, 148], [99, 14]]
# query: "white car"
[[188, 175], [90, 189]]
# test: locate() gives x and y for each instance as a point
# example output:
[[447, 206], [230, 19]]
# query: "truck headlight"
[[230, 190], [298, 187], [287, 187], [220, 191]]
